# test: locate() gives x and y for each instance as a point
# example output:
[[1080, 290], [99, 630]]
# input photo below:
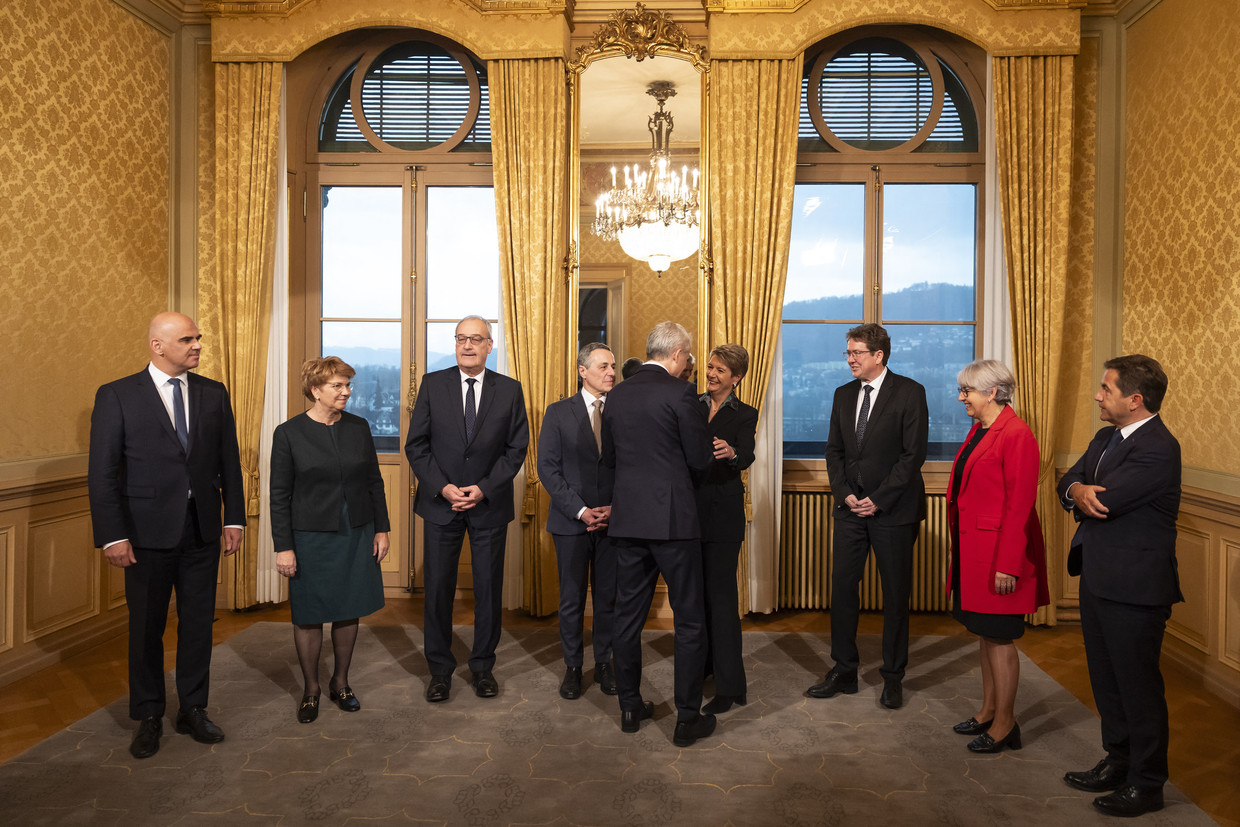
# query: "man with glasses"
[[467, 439], [875, 449]]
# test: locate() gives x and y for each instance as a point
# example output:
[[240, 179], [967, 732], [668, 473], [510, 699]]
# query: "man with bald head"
[[163, 459]]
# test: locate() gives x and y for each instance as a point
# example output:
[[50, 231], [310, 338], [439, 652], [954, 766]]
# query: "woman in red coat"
[[998, 556]]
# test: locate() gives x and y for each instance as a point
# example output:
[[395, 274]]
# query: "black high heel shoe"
[[309, 709], [972, 727], [984, 743], [345, 699], [722, 703]]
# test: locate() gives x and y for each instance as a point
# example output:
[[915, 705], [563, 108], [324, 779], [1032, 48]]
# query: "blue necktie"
[[471, 409], [178, 413], [1116, 439]]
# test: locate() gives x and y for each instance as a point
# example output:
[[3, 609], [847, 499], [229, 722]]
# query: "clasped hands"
[[862, 508], [596, 518], [463, 498]]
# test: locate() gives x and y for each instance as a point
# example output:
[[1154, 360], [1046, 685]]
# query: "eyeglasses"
[[964, 390], [341, 386], [855, 354], [473, 340]]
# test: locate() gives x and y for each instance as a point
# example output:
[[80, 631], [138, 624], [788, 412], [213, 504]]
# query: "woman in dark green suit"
[[329, 520]]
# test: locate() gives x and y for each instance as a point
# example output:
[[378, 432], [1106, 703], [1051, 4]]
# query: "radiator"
[[805, 556]]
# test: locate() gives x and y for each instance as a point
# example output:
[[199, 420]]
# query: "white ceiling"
[[615, 106]]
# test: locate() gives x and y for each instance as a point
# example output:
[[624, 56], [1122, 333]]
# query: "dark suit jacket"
[[1129, 557], [438, 453], [570, 466], [312, 477], [654, 435], [721, 496], [139, 475], [890, 458]]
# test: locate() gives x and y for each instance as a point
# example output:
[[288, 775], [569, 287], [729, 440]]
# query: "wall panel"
[[62, 573]]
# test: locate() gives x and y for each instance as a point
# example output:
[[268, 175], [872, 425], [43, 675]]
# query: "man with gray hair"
[[654, 435]]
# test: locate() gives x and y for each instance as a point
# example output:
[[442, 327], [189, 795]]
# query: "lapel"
[[989, 440], [582, 415], [851, 392], [487, 386], [149, 396], [1116, 458], [193, 402], [876, 410]]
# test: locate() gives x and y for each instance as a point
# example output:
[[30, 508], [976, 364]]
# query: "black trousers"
[[190, 570], [443, 554], [723, 619], [893, 552], [586, 561], [1123, 644], [638, 565]]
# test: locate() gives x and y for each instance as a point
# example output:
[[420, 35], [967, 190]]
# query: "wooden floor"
[[1205, 732]]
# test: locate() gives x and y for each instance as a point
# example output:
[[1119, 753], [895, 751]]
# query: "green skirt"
[[337, 576]]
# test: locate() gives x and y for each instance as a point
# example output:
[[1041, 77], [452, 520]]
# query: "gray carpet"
[[530, 758]]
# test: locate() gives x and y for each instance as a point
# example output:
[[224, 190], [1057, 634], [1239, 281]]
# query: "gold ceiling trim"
[[638, 33], [283, 8]]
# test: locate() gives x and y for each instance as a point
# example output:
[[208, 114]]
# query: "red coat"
[[995, 518]]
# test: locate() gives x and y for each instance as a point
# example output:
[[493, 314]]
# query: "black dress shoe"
[[605, 677], [194, 722], [485, 685], [984, 743], [833, 684], [688, 732], [893, 695], [439, 688], [1104, 777], [345, 699], [570, 687], [309, 709], [146, 740], [974, 727], [722, 703], [631, 719], [1129, 802]]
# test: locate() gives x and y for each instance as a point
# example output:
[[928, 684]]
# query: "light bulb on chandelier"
[[655, 214]]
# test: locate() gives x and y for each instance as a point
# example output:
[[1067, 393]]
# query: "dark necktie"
[[596, 422], [178, 413], [863, 418], [1116, 439], [471, 409]]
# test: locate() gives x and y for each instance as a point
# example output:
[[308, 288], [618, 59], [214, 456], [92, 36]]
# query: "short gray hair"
[[665, 339], [479, 318], [987, 374], [583, 355]]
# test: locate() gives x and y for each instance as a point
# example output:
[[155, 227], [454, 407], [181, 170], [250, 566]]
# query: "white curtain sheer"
[[766, 482]]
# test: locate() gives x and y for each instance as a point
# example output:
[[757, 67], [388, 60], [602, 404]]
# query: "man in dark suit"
[[875, 449], [571, 468], [1125, 493], [467, 439], [163, 457], [654, 435]]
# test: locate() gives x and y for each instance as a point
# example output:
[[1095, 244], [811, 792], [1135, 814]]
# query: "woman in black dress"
[[721, 512], [329, 520]]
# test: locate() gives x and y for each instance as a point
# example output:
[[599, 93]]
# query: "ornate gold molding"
[[640, 34], [282, 8]]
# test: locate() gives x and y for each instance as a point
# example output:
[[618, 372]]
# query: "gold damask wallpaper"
[[1078, 415], [84, 166], [1181, 239]]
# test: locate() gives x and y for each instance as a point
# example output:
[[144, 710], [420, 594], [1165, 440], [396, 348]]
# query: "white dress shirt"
[[876, 384]]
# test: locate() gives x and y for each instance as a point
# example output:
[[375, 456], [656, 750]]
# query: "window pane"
[[373, 350], [813, 368], [929, 252], [827, 256], [933, 354], [462, 253], [361, 252]]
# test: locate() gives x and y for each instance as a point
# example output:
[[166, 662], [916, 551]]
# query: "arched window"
[[886, 226]]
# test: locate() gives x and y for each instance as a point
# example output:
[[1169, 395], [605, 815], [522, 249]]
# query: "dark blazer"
[[654, 436], [312, 477], [570, 466], [890, 458], [139, 474], [438, 453], [721, 496], [996, 519], [1129, 557]]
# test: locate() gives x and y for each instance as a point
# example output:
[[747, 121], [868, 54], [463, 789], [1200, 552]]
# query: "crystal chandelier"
[[654, 214]]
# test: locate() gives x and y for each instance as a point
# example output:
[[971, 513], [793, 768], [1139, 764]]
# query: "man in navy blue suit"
[[1124, 492], [163, 458], [654, 435], [571, 468], [467, 439]]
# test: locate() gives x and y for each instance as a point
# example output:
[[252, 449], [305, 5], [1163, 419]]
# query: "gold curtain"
[[754, 107], [529, 140], [234, 302], [1033, 128]]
